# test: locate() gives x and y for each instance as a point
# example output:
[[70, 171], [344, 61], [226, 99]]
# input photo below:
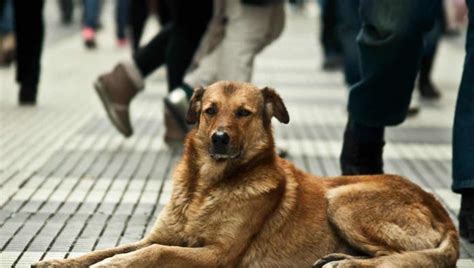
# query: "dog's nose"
[[220, 138]]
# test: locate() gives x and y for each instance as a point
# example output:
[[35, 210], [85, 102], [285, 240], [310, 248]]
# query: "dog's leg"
[[167, 256], [394, 234], [92, 257]]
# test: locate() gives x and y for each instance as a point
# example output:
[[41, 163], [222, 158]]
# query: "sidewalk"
[[66, 175]]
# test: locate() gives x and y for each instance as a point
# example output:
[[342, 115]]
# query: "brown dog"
[[235, 203]]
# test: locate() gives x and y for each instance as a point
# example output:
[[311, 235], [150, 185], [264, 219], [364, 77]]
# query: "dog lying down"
[[235, 203]]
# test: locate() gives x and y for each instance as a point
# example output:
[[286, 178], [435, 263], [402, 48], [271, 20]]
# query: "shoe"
[[122, 42], [27, 95], [428, 91], [466, 216], [360, 158], [332, 63], [116, 90], [88, 35], [177, 103]]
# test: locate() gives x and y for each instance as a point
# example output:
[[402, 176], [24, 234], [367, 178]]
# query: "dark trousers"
[[328, 36], [463, 137], [29, 30], [390, 46], [138, 14], [177, 42], [121, 18]]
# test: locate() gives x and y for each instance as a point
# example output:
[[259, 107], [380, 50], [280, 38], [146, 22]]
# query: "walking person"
[[391, 46], [174, 46], [29, 29]]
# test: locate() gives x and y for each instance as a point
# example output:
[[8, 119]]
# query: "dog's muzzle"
[[220, 148]]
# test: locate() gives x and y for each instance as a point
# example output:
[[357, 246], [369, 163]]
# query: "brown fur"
[[258, 210]]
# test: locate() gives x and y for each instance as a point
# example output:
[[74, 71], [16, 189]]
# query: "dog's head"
[[233, 120]]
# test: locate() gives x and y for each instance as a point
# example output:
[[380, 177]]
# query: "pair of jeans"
[[91, 13], [121, 17], [463, 134], [6, 18], [29, 30], [177, 41]]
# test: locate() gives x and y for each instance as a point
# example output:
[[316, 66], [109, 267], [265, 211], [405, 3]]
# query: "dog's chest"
[[198, 220]]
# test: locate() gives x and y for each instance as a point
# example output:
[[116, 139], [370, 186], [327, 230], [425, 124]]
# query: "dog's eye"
[[211, 111], [243, 112]]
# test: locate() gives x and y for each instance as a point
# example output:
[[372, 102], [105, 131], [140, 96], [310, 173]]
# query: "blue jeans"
[[463, 138], [91, 13], [6, 18], [121, 17]]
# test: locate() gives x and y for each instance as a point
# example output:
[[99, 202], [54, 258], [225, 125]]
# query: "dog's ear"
[[195, 106], [274, 105]]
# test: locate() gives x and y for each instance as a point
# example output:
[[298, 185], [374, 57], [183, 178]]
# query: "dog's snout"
[[220, 139]]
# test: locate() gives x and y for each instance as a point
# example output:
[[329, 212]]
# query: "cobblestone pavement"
[[67, 175]]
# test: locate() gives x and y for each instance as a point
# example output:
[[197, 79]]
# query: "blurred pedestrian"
[[7, 34], [426, 86], [173, 46], [66, 8], [91, 22], [391, 45], [329, 40], [29, 30]]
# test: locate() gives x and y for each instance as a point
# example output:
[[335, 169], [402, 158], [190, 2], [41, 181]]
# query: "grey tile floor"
[[70, 183]]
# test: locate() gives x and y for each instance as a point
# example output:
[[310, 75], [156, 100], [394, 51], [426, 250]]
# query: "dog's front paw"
[[57, 263]]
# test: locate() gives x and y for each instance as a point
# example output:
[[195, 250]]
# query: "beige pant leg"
[[249, 29]]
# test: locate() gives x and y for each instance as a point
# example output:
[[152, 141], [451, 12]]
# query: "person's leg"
[[66, 7], [29, 44], [463, 141], [430, 47], [137, 18], [121, 18], [348, 24], [390, 45], [151, 56], [91, 17], [190, 22], [329, 40], [249, 29]]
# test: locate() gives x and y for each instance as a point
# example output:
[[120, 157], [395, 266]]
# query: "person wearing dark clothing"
[[29, 28], [390, 44], [426, 86], [329, 41]]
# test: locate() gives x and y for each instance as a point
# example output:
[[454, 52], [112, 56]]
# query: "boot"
[[27, 95], [466, 215], [361, 157], [116, 90], [425, 85]]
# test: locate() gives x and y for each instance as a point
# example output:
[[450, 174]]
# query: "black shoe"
[[466, 216], [428, 90], [361, 157], [332, 63], [27, 96]]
